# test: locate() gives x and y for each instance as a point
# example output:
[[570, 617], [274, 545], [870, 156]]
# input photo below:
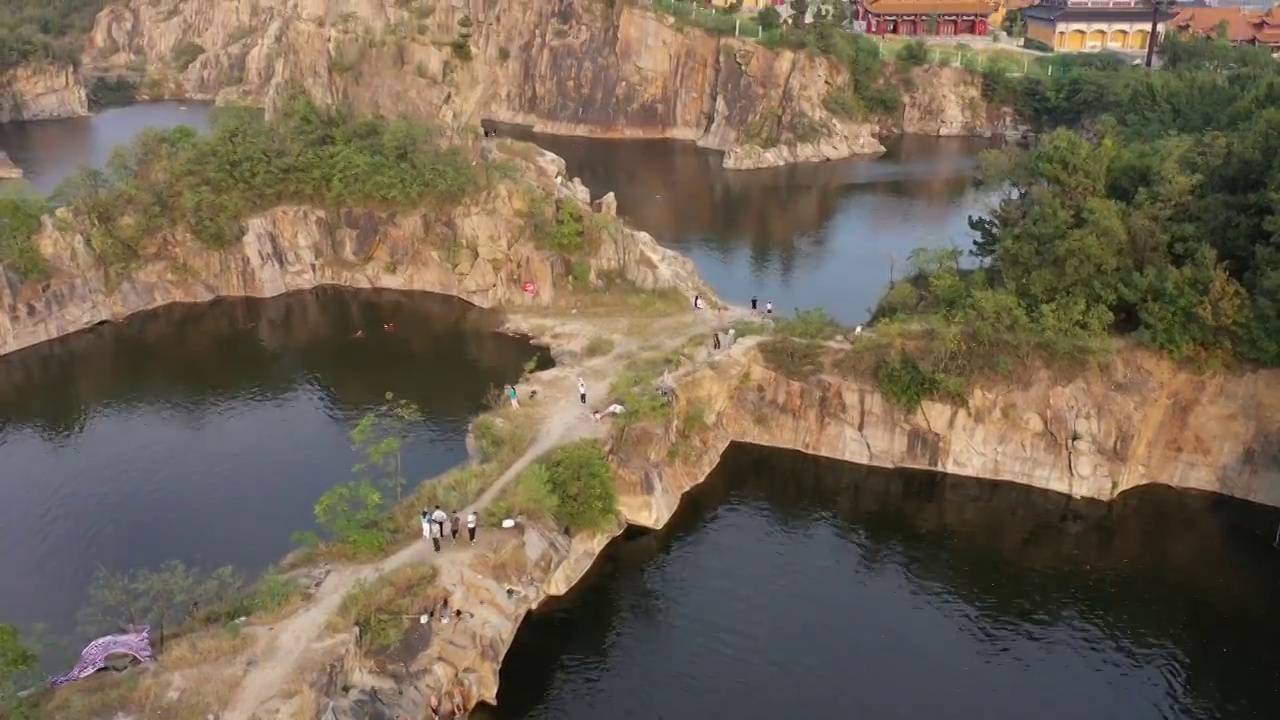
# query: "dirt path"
[[563, 420]]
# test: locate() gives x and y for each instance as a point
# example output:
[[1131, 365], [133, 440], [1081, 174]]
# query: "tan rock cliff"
[[482, 251], [1140, 420], [577, 68], [42, 92]]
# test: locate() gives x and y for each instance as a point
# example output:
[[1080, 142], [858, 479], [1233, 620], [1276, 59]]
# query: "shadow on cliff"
[[439, 352]]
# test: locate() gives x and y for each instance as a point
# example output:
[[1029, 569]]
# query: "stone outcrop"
[[482, 251], [9, 170], [42, 92], [576, 68]]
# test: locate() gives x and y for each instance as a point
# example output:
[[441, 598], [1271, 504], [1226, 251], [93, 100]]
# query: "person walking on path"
[[472, 519], [768, 308], [435, 536], [755, 304], [715, 341], [515, 399], [582, 391], [426, 524], [440, 519], [455, 524], [697, 302]]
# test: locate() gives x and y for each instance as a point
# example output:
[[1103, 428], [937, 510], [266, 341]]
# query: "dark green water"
[[795, 587], [205, 433]]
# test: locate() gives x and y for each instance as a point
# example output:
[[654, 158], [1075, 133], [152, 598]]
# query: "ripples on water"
[[205, 433], [794, 587]]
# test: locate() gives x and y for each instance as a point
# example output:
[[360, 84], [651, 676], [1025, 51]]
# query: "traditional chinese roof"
[[1067, 13], [930, 7], [1243, 26]]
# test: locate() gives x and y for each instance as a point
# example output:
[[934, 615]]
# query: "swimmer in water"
[[359, 334], [389, 327]]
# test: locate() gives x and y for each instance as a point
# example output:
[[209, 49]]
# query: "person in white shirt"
[[472, 519], [435, 535], [582, 391], [439, 517], [426, 524]]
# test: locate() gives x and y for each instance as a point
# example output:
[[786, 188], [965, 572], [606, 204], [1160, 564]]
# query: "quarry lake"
[[788, 586]]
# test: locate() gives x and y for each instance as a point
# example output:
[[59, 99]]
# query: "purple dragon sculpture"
[[95, 654]]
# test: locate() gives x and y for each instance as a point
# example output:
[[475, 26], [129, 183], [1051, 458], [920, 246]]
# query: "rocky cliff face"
[[577, 67], [1140, 420], [482, 251], [42, 92]]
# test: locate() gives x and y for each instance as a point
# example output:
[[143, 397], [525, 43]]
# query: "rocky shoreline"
[[1139, 420]]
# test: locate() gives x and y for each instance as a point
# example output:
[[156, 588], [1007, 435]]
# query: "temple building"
[[926, 17], [1091, 25], [1238, 26]]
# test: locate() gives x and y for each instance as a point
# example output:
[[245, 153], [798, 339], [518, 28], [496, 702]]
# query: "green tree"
[[800, 8], [581, 480], [351, 514], [20, 214], [769, 19], [380, 437], [163, 597], [17, 664]]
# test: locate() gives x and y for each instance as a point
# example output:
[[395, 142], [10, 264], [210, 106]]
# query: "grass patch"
[[637, 389], [598, 346], [383, 609], [573, 486], [208, 184], [19, 221], [203, 648], [795, 359], [529, 496]]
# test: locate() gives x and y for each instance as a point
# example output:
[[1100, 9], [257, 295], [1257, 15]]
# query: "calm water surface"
[[815, 235], [795, 587], [49, 151], [205, 433]]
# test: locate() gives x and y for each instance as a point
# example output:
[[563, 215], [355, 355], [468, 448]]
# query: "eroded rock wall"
[[482, 251], [577, 67], [45, 91], [1139, 420]]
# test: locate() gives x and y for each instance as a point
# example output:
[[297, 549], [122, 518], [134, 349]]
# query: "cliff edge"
[[582, 68], [43, 91]]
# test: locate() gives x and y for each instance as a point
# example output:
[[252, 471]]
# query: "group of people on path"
[[436, 522]]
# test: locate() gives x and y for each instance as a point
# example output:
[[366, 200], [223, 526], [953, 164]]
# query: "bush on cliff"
[[44, 30], [19, 221], [573, 486], [209, 184]]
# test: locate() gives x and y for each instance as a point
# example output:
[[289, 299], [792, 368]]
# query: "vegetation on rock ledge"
[[1157, 226], [44, 30], [207, 185]]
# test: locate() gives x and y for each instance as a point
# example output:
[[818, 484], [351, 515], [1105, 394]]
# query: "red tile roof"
[[1243, 26], [931, 7]]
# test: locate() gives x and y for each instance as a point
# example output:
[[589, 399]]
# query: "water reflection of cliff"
[[442, 353], [1172, 583], [679, 193]]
